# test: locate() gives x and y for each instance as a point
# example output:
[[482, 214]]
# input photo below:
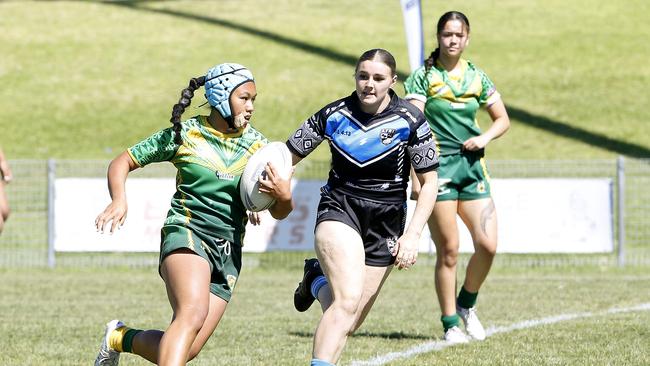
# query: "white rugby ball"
[[279, 155]]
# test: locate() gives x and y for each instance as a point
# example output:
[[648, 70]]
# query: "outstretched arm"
[[116, 211]]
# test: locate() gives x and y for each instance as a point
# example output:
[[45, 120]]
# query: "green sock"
[[127, 340], [450, 321], [466, 299]]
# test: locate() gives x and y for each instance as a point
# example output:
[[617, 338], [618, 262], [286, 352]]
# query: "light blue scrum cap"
[[220, 81]]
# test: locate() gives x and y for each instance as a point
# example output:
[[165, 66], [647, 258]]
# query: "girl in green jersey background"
[[201, 239], [449, 90]]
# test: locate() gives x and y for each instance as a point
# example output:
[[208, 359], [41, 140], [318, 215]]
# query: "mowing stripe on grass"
[[438, 345]]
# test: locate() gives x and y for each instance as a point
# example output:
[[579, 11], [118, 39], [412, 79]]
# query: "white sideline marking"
[[439, 345]]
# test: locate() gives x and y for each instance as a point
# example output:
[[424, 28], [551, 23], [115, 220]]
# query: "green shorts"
[[224, 257], [463, 177]]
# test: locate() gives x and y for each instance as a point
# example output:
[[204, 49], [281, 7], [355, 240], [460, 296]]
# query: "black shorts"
[[378, 224]]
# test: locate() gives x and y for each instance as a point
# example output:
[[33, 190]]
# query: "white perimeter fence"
[[565, 211]]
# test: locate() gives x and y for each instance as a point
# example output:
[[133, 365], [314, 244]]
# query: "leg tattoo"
[[486, 214]]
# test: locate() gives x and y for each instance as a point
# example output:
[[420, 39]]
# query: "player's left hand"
[[254, 218]]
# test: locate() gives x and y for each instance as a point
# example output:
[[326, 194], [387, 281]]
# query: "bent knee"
[[346, 306], [194, 351], [487, 247], [347, 314], [192, 319]]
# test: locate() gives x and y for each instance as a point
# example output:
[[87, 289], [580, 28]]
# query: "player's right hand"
[[115, 213]]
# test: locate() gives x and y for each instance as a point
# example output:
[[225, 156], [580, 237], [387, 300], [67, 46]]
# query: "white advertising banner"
[[534, 215], [78, 201], [546, 216]]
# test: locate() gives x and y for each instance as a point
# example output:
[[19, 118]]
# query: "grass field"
[[84, 79], [56, 317], [87, 79]]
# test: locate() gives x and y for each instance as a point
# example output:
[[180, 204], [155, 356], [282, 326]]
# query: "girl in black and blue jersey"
[[375, 138]]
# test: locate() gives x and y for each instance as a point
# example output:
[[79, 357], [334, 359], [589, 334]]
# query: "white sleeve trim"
[[493, 98], [419, 97]]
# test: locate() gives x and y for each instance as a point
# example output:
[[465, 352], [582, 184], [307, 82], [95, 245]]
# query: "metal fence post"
[[620, 185], [51, 175]]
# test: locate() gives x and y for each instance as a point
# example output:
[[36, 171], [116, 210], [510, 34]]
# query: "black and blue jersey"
[[371, 154]]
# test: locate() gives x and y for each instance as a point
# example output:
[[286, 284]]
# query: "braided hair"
[[184, 102], [450, 15]]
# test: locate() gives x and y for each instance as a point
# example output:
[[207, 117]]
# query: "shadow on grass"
[[269, 36], [365, 334], [578, 134], [558, 128]]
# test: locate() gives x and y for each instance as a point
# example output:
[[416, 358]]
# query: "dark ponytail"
[[431, 61], [184, 102], [450, 15]]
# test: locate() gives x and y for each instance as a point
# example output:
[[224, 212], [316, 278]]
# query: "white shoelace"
[[107, 355], [471, 314]]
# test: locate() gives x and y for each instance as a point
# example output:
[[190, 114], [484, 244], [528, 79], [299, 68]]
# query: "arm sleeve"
[[489, 93], [422, 146], [309, 135], [156, 148], [416, 85]]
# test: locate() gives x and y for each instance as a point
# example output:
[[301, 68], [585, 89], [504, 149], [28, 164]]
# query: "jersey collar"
[[212, 130]]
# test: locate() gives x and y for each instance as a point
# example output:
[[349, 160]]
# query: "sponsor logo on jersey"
[[409, 115], [387, 135], [457, 106], [225, 176], [423, 130]]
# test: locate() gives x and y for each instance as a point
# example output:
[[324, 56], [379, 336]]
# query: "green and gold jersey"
[[451, 101], [210, 164]]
